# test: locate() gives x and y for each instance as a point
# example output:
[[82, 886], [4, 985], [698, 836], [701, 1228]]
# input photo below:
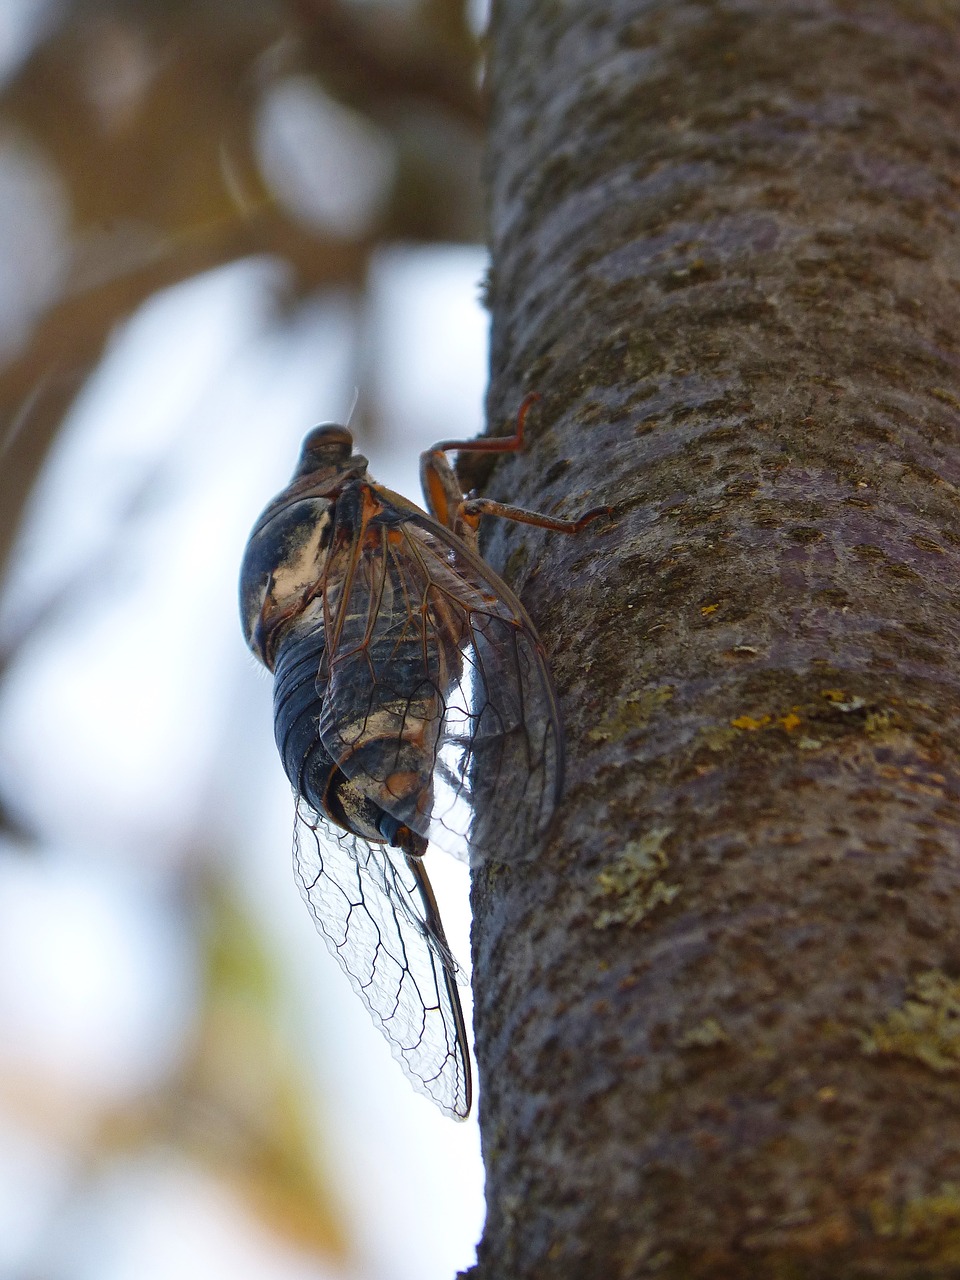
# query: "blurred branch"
[[383, 60], [15, 834], [36, 390]]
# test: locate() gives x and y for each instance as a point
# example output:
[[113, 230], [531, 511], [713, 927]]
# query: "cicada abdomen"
[[390, 766]]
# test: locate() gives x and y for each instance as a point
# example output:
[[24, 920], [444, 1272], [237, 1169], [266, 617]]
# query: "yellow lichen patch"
[[880, 721], [632, 713], [750, 724], [925, 1214], [934, 1218], [926, 1028], [707, 1034], [631, 887]]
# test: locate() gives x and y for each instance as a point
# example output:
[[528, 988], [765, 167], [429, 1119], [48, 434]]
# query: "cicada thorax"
[[283, 559], [290, 544]]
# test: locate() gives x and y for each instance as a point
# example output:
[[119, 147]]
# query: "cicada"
[[413, 706]]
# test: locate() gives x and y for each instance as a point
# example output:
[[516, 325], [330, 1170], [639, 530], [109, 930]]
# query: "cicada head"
[[327, 451]]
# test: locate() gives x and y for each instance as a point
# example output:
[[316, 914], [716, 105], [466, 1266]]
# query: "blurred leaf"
[[241, 1105]]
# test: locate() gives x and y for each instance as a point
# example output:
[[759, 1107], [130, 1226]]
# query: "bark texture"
[[718, 1017]]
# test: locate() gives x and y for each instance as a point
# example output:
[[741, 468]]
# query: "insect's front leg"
[[443, 495], [446, 501]]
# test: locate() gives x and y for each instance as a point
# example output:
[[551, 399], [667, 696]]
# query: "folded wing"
[[436, 696]]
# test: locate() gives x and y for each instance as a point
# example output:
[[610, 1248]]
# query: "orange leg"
[[446, 501], [471, 509], [493, 444]]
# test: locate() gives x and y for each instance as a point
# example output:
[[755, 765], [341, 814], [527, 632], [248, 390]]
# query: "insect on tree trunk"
[[718, 1017]]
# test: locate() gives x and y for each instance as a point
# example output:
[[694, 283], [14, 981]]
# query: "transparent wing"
[[376, 912], [438, 701]]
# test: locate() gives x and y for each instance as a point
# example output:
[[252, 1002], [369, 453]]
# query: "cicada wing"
[[376, 913], [512, 756], [438, 701]]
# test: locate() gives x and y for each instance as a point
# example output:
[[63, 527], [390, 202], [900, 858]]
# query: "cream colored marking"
[[296, 574]]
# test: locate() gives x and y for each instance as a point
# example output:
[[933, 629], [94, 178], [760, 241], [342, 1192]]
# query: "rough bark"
[[718, 1017]]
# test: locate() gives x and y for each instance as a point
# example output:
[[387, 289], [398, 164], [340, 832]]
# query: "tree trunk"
[[718, 1016]]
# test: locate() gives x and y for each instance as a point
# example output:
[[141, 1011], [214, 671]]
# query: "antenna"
[[353, 404]]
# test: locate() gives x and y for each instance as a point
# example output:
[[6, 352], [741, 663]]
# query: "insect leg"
[[492, 444], [446, 501], [473, 508], [439, 482]]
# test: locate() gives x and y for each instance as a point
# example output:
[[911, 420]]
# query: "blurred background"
[[217, 219]]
